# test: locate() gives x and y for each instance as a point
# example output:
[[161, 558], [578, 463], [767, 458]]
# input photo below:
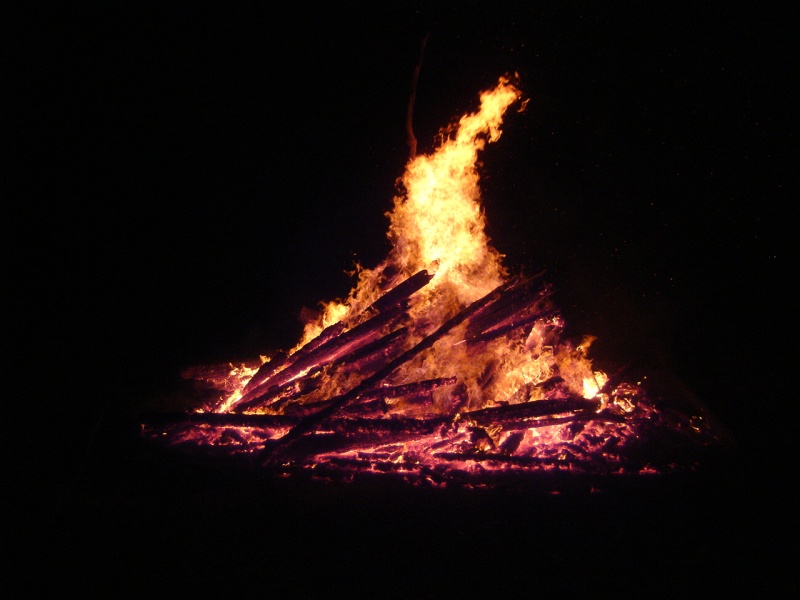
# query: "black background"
[[194, 174]]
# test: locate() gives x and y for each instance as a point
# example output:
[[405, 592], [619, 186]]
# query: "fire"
[[437, 362], [438, 225]]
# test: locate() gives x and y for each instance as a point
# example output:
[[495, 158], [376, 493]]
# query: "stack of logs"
[[383, 423]]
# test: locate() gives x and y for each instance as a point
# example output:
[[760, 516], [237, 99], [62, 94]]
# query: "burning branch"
[[412, 139]]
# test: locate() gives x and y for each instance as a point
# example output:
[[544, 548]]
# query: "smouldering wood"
[[528, 410]]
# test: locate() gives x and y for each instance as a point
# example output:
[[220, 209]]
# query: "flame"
[[437, 224]]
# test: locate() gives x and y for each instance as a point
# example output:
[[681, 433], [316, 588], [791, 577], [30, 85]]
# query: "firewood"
[[372, 402], [288, 391], [216, 419], [521, 461], [509, 445], [519, 296], [310, 422], [402, 291], [268, 369], [513, 325], [527, 410], [342, 435], [535, 423], [391, 299], [416, 387], [371, 357]]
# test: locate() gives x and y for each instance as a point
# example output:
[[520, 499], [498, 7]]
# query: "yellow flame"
[[439, 224]]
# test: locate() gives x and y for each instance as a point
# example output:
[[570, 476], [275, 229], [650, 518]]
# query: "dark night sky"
[[195, 173]]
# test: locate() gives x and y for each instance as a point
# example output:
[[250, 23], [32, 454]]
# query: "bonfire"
[[440, 366]]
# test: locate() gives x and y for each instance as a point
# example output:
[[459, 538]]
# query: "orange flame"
[[438, 225]]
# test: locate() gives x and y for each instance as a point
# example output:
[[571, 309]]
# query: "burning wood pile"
[[439, 367]]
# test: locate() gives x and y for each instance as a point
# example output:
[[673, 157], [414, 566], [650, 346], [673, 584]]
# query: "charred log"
[[518, 298], [218, 420], [513, 325], [530, 410], [269, 369], [398, 391], [402, 291], [564, 462], [535, 423], [286, 392], [511, 443], [374, 401]]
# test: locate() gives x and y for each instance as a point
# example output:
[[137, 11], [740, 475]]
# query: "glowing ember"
[[438, 366]]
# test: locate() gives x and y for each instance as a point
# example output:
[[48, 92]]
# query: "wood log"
[[530, 410], [268, 369], [343, 435], [407, 389], [512, 325], [537, 423], [374, 353], [373, 401], [391, 300], [281, 393], [369, 358], [518, 461], [402, 291], [217, 420], [369, 409], [386, 427], [519, 296], [348, 425], [509, 445]]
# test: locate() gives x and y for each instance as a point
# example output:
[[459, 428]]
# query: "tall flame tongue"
[[438, 225], [437, 363]]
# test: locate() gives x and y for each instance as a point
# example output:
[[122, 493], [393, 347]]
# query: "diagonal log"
[[374, 355], [530, 410], [378, 350], [402, 291], [519, 297], [296, 388], [269, 369], [496, 332]]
